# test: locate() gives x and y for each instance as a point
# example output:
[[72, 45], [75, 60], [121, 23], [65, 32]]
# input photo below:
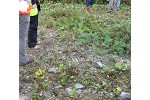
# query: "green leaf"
[[42, 77]]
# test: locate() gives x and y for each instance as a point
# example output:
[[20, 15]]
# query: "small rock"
[[98, 64], [125, 95], [79, 86], [59, 86], [45, 80], [85, 91], [79, 91], [92, 91], [52, 70], [36, 66], [104, 91], [69, 91], [111, 95], [22, 97], [74, 59], [41, 94], [27, 77]]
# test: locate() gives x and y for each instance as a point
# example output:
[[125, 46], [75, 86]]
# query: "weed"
[[68, 74], [39, 76], [36, 96], [74, 93], [110, 34]]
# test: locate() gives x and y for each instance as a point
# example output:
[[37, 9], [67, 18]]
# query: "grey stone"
[[59, 86], [69, 90], [27, 77], [98, 64], [125, 95], [92, 91], [52, 70], [79, 86], [104, 91], [79, 91], [111, 94], [22, 97], [42, 93]]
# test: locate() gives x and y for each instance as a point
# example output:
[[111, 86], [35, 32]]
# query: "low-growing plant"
[[67, 74], [37, 97], [74, 93], [109, 34], [39, 74]]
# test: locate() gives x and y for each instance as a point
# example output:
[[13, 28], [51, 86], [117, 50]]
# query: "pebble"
[[111, 94], [69, 91], [92, 91], [79, 86], [104, 91], [98, 64], [59, 86], [125, 95], [52, 70]]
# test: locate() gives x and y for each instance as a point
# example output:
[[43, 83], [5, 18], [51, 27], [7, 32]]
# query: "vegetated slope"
[[92, 49]]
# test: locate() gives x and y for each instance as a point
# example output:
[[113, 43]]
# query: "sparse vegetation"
[[71, 41]]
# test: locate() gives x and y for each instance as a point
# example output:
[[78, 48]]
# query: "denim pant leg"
[[89, 3], [118, 4], [23, 30]]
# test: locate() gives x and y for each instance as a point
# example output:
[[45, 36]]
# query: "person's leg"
[[35, 29], [118, 4], [91, 2], [114, 5], [23, 30], [87, 5], [110, 6], [32, 32]]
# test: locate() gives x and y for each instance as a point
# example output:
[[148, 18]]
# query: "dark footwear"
[[31, 59], [109, 12], [31, 47]]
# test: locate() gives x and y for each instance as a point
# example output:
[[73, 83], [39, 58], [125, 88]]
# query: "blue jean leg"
[[89, 3], [118, 4]]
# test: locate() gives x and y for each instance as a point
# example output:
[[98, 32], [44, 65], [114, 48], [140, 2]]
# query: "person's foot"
[[37, 47], [109, 12], [38, 43], [31, 59], [86, 10], [31, 46]]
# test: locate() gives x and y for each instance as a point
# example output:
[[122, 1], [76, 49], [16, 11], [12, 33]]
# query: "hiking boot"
[[109, 12], [31, 59]]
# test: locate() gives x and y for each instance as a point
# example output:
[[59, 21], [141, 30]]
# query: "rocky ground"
[[71, 72]]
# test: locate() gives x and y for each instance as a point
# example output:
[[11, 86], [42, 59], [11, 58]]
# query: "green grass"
[[102, 32]]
